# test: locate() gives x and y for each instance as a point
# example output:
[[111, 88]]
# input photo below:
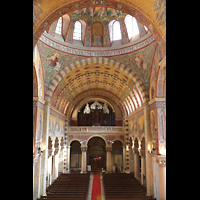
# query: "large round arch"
[[96, 153], [96, 60]]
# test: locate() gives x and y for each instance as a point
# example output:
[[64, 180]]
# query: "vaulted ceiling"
[[150, 13], [119, 80]]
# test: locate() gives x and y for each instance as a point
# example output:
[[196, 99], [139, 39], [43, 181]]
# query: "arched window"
[[59, 26], [114, 30], [77, 31], [131, 26]]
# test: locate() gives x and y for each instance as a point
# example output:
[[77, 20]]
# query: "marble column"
[[36, 178], [136, 163], [108, 160], [55, 163], [149, 167], [161, 159], [143, 167], [131, 157], [68, 159], [124, 159], [84, 160], [44, 156]]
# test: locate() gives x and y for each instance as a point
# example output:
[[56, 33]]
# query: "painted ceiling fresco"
[[99, 76], [140, 61], [101, 14], [94, 77], [150, 13]]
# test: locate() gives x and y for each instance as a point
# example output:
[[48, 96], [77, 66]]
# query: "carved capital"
[[84, 149], [161, 160], [109, 149]]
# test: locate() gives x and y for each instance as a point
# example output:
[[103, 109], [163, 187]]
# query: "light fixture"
[[149, 149]]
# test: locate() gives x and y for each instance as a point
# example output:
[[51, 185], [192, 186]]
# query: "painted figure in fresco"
[[53, 59], [39, 132], [139, 60], [85, 11], [97, 39], [113, 12], [102, 12], [91, 11], [78, 12], [153, 125], [160, 7]]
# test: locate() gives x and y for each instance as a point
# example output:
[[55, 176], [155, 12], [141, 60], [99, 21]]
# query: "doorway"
[[96, 154], [75, 157], [117, 156]]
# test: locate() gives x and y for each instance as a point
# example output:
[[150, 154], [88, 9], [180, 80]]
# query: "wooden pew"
[[123, 186]]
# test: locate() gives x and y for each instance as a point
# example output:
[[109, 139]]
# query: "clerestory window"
[[59, 25], [131, 26], [114, 30], [77, 31]]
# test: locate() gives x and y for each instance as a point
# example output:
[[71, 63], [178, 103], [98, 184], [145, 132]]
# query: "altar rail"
[[95, 129]]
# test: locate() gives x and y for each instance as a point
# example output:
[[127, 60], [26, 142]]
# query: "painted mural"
[[38, 73], [53, 61], [97, 19], [154, 73], [154, 128], [39, 127], [56, 127], [140, 61], [101, 14], [97, 34], [137, 126]]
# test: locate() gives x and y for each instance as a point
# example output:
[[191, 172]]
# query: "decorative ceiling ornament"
[[87, 109], [95, 105], [97, 2]]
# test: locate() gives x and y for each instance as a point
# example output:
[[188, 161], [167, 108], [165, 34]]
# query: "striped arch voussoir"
[[95, 60]]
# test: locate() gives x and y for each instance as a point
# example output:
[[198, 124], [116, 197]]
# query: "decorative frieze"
[[61, 46]]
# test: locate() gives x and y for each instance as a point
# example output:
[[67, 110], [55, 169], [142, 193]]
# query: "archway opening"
[[96, 113], [96, 154], [117, 156], [75, 157]]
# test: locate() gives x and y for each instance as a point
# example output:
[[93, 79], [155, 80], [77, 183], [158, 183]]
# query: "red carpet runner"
[[96, 187]]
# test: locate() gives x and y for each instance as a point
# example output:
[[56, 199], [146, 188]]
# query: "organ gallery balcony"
[[95, 129]]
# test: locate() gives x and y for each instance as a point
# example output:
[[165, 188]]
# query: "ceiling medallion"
[[119, 5], [76, 5], [97, 2]]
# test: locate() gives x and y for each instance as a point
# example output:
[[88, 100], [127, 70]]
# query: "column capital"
[[109, 149], [161, 160], [84, 149]]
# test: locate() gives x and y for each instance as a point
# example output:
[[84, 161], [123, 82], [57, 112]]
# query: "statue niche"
[[96, 113]]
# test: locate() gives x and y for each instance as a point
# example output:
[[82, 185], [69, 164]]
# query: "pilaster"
[[149, 167], [143, 167], [108, 160], [136, 163]]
